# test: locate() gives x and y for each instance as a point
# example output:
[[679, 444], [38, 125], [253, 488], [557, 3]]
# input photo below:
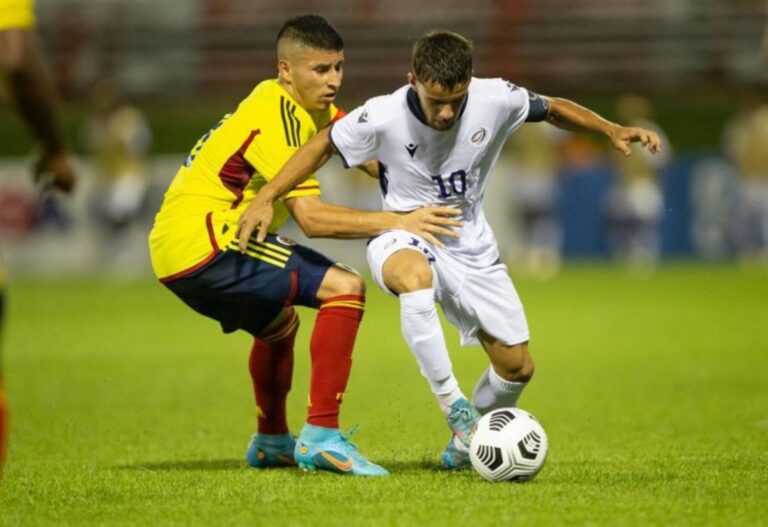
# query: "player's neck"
[[290, 89]]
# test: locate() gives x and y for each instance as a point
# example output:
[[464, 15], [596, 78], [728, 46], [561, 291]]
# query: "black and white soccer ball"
[[509, 444]]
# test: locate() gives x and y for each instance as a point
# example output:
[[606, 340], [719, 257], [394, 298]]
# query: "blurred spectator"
[[635, 203], [535, 151], [765, 46], [746, 144], [25, 81], [118, 138], [713, 197]]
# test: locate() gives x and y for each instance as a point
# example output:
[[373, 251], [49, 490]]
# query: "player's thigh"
[[400, 262], [511, 362], [238, 291], [484, 299]]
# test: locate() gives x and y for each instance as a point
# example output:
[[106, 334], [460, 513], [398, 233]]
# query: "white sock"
[[446, 400], [493, 392], [424, 335]]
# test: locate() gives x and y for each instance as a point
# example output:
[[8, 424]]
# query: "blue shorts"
[[247, 291]]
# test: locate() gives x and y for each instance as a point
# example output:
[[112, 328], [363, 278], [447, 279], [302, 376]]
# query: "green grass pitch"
[[129, 409]]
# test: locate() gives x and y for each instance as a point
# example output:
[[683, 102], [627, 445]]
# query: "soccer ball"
[[509, 444]]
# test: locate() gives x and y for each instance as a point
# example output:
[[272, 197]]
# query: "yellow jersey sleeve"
[[17, 14]]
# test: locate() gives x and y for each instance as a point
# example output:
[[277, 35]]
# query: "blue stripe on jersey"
[[413, 105]]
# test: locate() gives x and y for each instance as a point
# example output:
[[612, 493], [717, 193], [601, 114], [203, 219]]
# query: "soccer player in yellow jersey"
[[195, 252], [26, 83]]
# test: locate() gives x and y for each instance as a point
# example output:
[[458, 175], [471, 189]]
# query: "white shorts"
[[472, 298]]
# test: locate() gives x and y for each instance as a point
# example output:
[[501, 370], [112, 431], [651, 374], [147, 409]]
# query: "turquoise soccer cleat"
[[462, 420], [267, 450], [331, 450], [454, 457]]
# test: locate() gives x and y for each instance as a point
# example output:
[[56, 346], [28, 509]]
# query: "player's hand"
[[53, 172], [623, 136], [258, 214], [429, 222]]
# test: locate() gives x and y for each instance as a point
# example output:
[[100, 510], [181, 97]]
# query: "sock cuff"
[[502, 385], [418, 299], [348, 306], [343, 298], [344, 301]]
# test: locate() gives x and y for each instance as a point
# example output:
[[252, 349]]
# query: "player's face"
[[441, 106], [313, 76]]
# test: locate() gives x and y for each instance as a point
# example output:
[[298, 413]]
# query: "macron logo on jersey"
[[411, 148], [363, 117]]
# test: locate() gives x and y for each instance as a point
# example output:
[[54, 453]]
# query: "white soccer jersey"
[[422, 166]]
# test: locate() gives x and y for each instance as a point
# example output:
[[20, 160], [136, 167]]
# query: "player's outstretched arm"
[[28, 84], [319, 219], [571, 116], [302, 164]]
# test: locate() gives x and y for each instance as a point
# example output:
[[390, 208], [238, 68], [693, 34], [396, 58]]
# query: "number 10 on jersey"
[[456, 183]]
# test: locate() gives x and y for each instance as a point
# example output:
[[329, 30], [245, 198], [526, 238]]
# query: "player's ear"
[[284, 71], [412, 80]]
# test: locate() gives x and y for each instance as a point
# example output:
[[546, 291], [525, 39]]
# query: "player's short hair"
[[442, 57], [312, 31]]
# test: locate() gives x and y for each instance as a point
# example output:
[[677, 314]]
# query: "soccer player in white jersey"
[[437, 140]]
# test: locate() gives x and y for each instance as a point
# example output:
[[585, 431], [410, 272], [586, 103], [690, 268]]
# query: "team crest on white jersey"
[[478, 137]]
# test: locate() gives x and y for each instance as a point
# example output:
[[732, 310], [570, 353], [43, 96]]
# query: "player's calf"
[[512, 363]]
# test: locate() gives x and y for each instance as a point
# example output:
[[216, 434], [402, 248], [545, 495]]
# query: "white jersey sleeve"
[[354, 137], [517, 104]]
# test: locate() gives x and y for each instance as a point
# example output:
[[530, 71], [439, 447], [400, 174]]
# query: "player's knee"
[[417, 278], [348, 283], [341, 280], [351, 284]]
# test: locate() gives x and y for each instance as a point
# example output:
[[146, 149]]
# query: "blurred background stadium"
[[694, 69]]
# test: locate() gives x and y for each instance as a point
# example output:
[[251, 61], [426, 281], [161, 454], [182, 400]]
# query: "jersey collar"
[[413, 105]]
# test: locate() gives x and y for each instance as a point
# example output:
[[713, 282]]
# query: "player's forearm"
[[568, 115], [29, 89], [302, 164], [318, 219], [36, 107]]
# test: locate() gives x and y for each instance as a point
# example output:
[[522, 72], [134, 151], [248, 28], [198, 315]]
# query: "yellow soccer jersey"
[[16, 14], [223, 173]]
